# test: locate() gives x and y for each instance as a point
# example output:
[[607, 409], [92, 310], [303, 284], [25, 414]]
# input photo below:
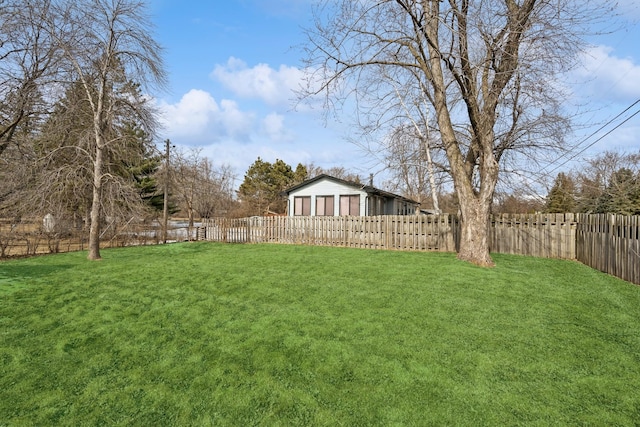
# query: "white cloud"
[[198, 116], [274, 128], [608, 76], [191, 115], [234, 121], [236, 132], [273, 86], [624, 139]]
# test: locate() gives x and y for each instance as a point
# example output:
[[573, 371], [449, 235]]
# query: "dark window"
[[376, 205], [324, 206], [302, 206], [350, 205]]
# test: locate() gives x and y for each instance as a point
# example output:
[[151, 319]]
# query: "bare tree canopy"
[[29, 63], [200, 187], [487, 71]]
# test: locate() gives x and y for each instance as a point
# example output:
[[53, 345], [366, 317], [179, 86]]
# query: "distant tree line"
[[198, 188], [609, 183]]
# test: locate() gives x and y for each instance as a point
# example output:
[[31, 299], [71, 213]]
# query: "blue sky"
[[233, 66]]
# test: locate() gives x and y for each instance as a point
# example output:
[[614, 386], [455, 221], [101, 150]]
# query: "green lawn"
[[211, 334]]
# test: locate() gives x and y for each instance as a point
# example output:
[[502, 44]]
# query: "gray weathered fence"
[[610, 243], [539, 235], [551, 236], [422, 233]]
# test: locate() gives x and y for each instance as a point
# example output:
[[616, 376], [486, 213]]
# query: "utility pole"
[[165, 212]]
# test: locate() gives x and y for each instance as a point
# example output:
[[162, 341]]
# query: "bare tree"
[[339, 172], [215, 196], [412, 142], [409, 158], [517, 203], [599, 185], [29, 62], [108, 44], [486, 68], [186, 178], [200, 187]]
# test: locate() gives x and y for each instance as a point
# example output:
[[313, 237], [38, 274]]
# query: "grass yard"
[[212, 334]]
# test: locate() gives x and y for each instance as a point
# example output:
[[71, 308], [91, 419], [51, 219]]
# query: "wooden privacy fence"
[[551, 236], [539, 235], [608, 243], [422, 233]]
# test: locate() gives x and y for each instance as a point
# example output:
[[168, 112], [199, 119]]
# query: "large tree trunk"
[[475, 205], [474, 232], [94, 230]]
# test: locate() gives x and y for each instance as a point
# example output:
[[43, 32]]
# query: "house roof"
[[366, 188]]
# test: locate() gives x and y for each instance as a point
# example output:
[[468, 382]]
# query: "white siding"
[[327, 187]]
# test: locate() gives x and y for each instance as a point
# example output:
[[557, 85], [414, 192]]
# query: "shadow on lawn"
[[14, 277]]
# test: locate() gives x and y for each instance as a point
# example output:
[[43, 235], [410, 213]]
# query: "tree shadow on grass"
[[16, 277]]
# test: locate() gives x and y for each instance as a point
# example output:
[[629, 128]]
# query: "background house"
[[325, 195]]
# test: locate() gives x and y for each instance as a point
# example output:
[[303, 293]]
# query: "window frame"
[[302, 205], [352, 205], [322, 201]]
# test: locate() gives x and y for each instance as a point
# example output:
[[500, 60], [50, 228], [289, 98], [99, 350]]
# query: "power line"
[[539, 178], [595, 133]]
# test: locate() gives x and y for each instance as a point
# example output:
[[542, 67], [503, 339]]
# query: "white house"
[[326, 195]]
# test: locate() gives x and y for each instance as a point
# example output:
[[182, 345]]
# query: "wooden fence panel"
[[551, 235], [421, 233], [541, 235], [610, 243]]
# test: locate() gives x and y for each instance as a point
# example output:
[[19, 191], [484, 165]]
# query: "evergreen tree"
[[141, 167], [300, 174], [63, 180], [263, 184], [622, 195], [561, 197], [590, 189]]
